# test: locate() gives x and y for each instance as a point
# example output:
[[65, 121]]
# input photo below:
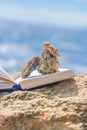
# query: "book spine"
[[15, 87]]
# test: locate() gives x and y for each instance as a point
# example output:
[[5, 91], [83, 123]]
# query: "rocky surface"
[[59, 106]]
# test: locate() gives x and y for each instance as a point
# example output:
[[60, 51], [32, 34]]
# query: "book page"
[[34, 74], [37, 79], [5, 76], [4, 84]]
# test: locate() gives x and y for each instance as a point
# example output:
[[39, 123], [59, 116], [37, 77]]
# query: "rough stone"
[[58, 106]]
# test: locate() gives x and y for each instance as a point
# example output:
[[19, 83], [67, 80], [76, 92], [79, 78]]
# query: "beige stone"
[[48, 63]]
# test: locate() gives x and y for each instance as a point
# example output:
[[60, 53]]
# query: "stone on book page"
[[52, 50], [31, 65], [47, 62], [48, 59]]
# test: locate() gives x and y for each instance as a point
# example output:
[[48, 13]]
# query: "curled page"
[[5, 76]]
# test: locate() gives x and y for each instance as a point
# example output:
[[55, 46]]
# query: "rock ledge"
[[58, 106]]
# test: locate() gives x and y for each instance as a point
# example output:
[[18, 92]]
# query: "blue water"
[[19, 42]]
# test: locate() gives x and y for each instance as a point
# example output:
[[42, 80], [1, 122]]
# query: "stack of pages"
[[36, 79]]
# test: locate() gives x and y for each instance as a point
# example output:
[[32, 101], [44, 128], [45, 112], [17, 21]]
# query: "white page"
[[4, 75], [38, 79], [36, 73]]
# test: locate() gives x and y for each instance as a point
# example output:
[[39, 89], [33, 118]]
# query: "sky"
[[69, 13]]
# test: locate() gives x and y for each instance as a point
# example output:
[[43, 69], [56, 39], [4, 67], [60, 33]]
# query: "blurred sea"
[[19, 42]]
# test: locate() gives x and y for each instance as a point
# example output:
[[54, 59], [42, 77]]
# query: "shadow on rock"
[[66, 88]]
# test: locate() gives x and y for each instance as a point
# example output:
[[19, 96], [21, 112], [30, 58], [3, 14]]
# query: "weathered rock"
[[59, 106]]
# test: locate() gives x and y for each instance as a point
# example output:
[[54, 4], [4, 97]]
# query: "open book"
[[36, 79]]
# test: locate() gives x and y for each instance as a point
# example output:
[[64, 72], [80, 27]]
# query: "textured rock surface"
[[59, 106], [48, 63]]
